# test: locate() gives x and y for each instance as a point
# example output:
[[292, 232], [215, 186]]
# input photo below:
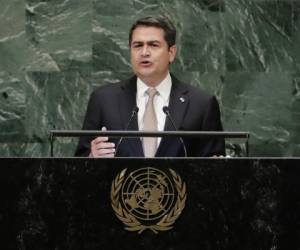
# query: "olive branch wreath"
[[131, 222]]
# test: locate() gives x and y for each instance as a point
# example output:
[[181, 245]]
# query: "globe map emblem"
[[148, 199], [148, 194]]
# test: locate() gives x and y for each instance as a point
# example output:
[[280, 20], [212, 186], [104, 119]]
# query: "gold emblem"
[[148, 199]]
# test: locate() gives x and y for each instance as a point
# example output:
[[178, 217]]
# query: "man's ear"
[[172, 53]]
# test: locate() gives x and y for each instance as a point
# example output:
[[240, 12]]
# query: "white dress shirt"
[[160, 100]]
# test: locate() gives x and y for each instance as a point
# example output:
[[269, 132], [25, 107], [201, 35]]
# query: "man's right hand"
[[100, 147]]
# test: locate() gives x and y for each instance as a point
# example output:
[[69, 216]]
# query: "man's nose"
[[145, 51]]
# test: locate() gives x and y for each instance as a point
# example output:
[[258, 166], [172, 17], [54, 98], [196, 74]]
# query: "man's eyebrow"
[[151, 41], [137, 42], [154, 41]]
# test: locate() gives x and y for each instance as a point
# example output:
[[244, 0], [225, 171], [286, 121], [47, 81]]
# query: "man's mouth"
[[145, 63]]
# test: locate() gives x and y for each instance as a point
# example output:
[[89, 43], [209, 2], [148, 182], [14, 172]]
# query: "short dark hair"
[[162, 22]]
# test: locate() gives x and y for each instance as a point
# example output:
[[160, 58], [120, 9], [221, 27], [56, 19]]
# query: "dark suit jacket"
[[111, 106]]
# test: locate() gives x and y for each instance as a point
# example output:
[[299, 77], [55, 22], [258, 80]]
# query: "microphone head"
[[166, 110], [135, 109]]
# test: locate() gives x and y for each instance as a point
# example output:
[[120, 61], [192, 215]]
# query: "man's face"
[[150, 54]]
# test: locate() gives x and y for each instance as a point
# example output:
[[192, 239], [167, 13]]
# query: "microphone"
[[134, 112], [167, 112]]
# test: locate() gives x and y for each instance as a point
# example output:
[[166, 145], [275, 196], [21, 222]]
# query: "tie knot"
[[151, 92]]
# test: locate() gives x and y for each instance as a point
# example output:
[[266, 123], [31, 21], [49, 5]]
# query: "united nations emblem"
[[148, 198]]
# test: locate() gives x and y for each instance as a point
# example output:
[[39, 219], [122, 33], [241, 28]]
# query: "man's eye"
[[136, 45], [154, 45]]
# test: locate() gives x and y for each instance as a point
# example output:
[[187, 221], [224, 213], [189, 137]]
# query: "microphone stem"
[[167, 112], [133, 114]]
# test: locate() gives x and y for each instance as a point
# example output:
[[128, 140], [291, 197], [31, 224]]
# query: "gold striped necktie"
[[150, 124]]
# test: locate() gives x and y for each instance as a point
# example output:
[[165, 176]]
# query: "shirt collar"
[[164, 88]]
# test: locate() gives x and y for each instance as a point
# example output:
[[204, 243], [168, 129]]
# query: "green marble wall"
[[54, 53]]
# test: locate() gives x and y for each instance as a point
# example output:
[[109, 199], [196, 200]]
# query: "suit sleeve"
[[212, 122], [92, 121]]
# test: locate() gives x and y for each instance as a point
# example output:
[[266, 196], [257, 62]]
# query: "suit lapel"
[[177, 106], [127, 101]]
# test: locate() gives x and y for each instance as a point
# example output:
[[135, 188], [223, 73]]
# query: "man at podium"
[[151, 100]]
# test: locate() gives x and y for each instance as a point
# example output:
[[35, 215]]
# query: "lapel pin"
[[182, 99]]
